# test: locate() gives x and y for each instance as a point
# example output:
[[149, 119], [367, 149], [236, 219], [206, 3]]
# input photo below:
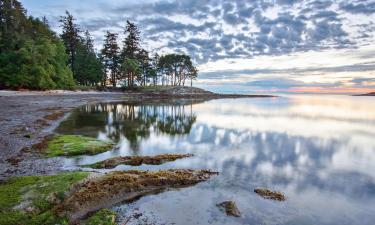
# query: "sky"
[[294, 46]]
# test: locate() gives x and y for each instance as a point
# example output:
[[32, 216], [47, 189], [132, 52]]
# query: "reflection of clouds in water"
[[319, 151]]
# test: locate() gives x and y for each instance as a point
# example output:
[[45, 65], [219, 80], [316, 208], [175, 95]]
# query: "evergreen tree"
[[13, 21], [31, 56], [154, 71], [70, 36], [131, 46], [89, 70], [131, 69], [145, 65], [110, 54]]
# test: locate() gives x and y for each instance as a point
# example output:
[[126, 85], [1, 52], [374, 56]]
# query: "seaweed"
[[137, 160]]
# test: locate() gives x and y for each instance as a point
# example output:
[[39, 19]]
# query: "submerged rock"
[[138, 160], [106, 190], [230, 208], [268, 194]]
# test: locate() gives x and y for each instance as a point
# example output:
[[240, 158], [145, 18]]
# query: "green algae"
[[73, 145], [102, 217], [27, 200]]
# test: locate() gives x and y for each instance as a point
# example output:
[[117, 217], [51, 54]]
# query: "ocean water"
[[318, 150]]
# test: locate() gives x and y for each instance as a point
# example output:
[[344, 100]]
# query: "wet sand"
[[26, 117]]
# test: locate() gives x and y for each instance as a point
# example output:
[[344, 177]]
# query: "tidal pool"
[[318, 150]]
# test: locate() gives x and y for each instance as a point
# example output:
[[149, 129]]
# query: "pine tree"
[[70, 36], [31, 56], [13, 22], [110, 54], [131, 43], [89, 70]]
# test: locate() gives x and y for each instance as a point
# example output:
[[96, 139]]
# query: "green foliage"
[[131, 43], [131, 70], [71, 145], [111, 58], [88, 68], [70, 37], [178, 68], [34, 190], [31, 56], [102, 217]]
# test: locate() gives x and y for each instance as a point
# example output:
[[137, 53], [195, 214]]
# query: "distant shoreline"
[[164, 92], [367, 94]]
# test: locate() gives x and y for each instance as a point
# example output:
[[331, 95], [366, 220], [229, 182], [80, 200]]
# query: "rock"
[[53, 199], [138, 160], [32, 209], [230, 208], [269, 194], [106, 190]]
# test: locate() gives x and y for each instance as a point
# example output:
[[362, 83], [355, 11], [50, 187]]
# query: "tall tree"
[[131, 43], [154, 71], [89, 70], [70, 36], [131, 70], [145, 65], [31, 56], [110, 54], [13, 22]]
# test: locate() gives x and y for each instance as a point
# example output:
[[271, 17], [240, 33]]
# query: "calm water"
[[318, 150]]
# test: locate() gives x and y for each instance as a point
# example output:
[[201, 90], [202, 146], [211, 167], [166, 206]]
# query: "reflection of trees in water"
[[132, 121]]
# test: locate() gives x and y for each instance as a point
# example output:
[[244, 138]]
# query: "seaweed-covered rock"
[[230, 208], [30, 199], [138, 160], [269, 194], [115, 187], [71, 145]]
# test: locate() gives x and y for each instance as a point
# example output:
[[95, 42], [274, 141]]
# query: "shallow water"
[[318, 150]]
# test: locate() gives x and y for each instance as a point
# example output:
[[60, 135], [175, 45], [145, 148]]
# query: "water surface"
[[318, 150]]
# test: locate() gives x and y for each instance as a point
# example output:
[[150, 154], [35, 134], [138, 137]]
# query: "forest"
[[32, 56]]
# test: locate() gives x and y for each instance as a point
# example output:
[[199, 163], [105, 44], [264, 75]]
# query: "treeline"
[[33, 56]]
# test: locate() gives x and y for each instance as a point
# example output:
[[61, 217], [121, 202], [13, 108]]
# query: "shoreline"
[[367, 94], [28, 116]]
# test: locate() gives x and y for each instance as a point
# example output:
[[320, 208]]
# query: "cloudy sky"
[[325, 46]]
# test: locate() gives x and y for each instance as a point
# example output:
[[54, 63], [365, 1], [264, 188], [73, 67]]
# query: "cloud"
[[359, 6], [214, 30], [229, 29]]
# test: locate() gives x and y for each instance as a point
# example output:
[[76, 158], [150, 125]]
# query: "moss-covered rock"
[[137, 160], [30, 199], [102, 217], [72, 145]]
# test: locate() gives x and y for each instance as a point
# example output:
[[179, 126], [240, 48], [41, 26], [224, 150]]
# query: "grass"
[[27, 200], [72, 145]]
